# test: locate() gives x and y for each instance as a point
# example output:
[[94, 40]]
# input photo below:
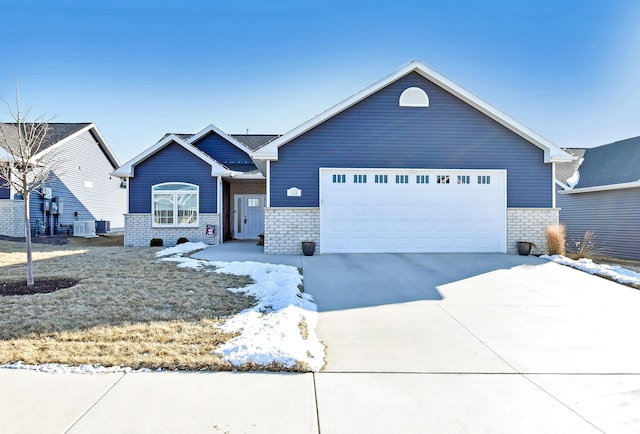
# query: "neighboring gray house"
[[600, 192], [413, 163], [81, 189]]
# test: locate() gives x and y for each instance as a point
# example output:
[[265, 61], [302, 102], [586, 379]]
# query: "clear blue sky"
[[568, 70]]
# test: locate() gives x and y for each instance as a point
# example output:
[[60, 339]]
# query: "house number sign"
[[295, 192]]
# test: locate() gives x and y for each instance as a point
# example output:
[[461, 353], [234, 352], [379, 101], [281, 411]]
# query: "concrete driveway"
[[473, 343], [416, 343]]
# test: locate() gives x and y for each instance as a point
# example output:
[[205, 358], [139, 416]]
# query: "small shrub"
[[556, 239], [587, 247], [156, 242], [182, 240]]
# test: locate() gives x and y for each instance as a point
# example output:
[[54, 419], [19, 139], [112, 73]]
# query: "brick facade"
[[286, 228], [138, 231], [530, 224], [12, 217]]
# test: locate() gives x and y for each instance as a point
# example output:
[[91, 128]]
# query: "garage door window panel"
[[381, 179]]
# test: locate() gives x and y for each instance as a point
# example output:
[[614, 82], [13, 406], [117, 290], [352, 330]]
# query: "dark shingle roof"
[[565, 171], [614, 163], [55, 132], [251, 141], [254, 141]]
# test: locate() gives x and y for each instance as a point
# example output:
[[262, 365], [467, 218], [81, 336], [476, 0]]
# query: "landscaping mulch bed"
[[41, 286], [54, 241]]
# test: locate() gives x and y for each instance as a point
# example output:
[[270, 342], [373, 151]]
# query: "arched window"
[[175, 204], [414, 97]]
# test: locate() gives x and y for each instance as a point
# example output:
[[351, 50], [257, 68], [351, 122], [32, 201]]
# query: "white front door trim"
[[248, 216]]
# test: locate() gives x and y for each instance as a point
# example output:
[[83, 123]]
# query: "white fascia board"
[[552, 153], [105, 147], [63, 141], [212, 128], [563, 185], [126, 170], [101, 141], [621, 186]]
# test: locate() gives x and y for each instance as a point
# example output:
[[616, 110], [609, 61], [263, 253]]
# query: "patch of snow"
[[270, 331], [574, 179], [54, 368], [182, 248], [614, 272]]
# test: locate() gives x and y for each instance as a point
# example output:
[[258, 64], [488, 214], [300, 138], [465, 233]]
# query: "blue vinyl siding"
[[5, 192], [224, 152], [172, 164], [376, 132], [614, 217]]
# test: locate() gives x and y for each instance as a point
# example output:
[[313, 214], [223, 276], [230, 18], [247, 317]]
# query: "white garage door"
[[411, 210]]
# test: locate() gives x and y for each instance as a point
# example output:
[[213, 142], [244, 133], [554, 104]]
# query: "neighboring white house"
[[81, 188]]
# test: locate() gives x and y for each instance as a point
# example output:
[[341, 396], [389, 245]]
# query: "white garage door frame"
[[464, 205]]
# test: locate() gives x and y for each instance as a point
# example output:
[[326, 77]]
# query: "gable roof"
[[127, 169], [60, 133], [247, 143], [552, 153], [255, 141], [251, 141], [213, 129]]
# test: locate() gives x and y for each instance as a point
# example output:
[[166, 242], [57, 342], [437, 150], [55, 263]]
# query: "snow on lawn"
[[613, 272], [270, 331], [182, 248]]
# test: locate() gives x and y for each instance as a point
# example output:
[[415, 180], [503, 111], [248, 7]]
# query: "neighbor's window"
[[175, 204]]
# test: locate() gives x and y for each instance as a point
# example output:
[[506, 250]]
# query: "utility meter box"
[[58, 205], [47, 192]]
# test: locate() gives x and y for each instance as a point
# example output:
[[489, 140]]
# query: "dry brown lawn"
[[128, 309]]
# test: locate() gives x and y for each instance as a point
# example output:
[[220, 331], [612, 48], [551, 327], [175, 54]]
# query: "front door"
[[248, 216]]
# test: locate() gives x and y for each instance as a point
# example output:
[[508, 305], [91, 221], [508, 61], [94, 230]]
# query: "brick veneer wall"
[[530, 224], [138, 231], [12, 217], [286, 228]]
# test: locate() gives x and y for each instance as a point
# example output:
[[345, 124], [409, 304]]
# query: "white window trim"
[[175, 205]]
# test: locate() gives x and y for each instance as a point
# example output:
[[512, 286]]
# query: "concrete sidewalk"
[[415, 343], [34, 402]]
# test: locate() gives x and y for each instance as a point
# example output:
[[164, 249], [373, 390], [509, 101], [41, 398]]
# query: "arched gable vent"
[[414, 97]]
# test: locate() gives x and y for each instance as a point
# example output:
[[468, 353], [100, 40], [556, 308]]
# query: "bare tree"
[[24, 164]]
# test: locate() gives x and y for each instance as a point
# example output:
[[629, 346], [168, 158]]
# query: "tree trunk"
[[27, 236]]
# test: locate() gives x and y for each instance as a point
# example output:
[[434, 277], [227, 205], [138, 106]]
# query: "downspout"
[[220, 210], [268, 183], [553, 185]]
